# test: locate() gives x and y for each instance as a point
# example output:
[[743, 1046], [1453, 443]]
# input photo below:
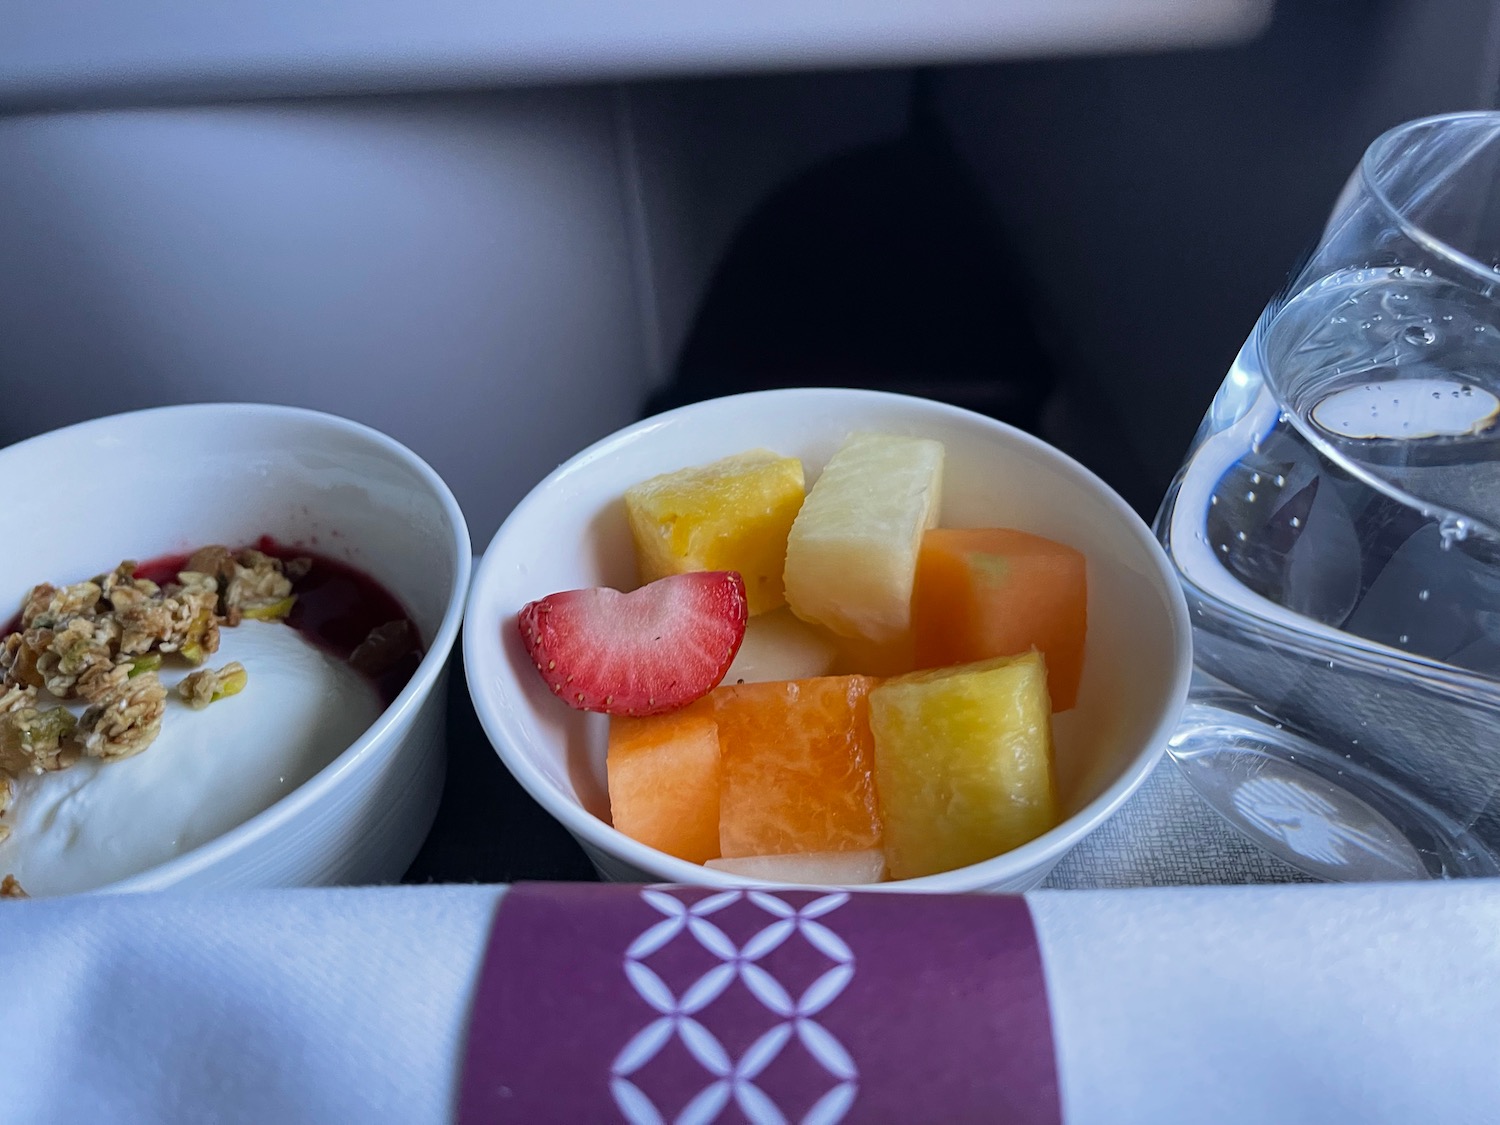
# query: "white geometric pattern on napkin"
[[735, 1078]]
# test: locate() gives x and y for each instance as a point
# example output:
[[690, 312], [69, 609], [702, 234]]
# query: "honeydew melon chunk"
[[851, 557], [780, 646], [835, 869]]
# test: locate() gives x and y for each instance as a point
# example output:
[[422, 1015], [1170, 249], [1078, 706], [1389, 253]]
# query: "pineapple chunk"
[[852, 554], [733, 514], [779, 646], [963, 763]]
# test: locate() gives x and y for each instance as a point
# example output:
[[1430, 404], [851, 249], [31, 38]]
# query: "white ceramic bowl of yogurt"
[[571, 532], [308, 776]]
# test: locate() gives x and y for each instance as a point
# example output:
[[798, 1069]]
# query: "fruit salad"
[[824, 685]]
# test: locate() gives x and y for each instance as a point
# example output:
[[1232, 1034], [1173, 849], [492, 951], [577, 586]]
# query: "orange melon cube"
[[996, 592], [664, 780], [798, 767], [857, 656]]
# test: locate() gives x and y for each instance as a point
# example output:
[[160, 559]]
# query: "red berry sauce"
[[337, 607]]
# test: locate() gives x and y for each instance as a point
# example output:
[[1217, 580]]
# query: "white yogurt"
[[207, 772]]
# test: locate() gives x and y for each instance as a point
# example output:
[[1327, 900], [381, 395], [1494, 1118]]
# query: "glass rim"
[[1368, 173]]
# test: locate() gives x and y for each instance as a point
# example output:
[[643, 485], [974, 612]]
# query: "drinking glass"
[[1336, 527]]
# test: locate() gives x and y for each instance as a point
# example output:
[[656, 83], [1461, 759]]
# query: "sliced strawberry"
[[652, 650]]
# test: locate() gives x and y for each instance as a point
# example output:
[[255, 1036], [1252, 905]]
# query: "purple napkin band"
[[688, 1005]]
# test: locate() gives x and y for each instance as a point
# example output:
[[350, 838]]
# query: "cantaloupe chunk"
[[852, 553], [997, 592], [859, 657], [732, 514], [963, 763], [828, 869], [664, 780], [781, 646], [797, 767]]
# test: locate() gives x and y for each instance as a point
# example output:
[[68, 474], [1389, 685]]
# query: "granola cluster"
[[33, 739], [209, 685], [101, 643]]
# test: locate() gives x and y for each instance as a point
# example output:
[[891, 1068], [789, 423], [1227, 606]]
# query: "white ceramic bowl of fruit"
[[983, 655], [322, 760]]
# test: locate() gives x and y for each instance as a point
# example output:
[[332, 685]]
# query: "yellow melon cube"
[[963, 763], [851, 558], [733, 514]]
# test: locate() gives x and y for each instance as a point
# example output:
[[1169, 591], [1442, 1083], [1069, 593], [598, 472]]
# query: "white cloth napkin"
[[1371, 1004], [268, 1007]]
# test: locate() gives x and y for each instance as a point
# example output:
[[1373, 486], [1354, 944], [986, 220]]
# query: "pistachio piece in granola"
[[32, 739], [202, 638], [148, 662], [126, 721], [209, 685], [10, 887], [269, 610]]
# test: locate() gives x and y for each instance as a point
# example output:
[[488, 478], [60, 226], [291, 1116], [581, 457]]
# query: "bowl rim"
[[358, 754], [484, 656]]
